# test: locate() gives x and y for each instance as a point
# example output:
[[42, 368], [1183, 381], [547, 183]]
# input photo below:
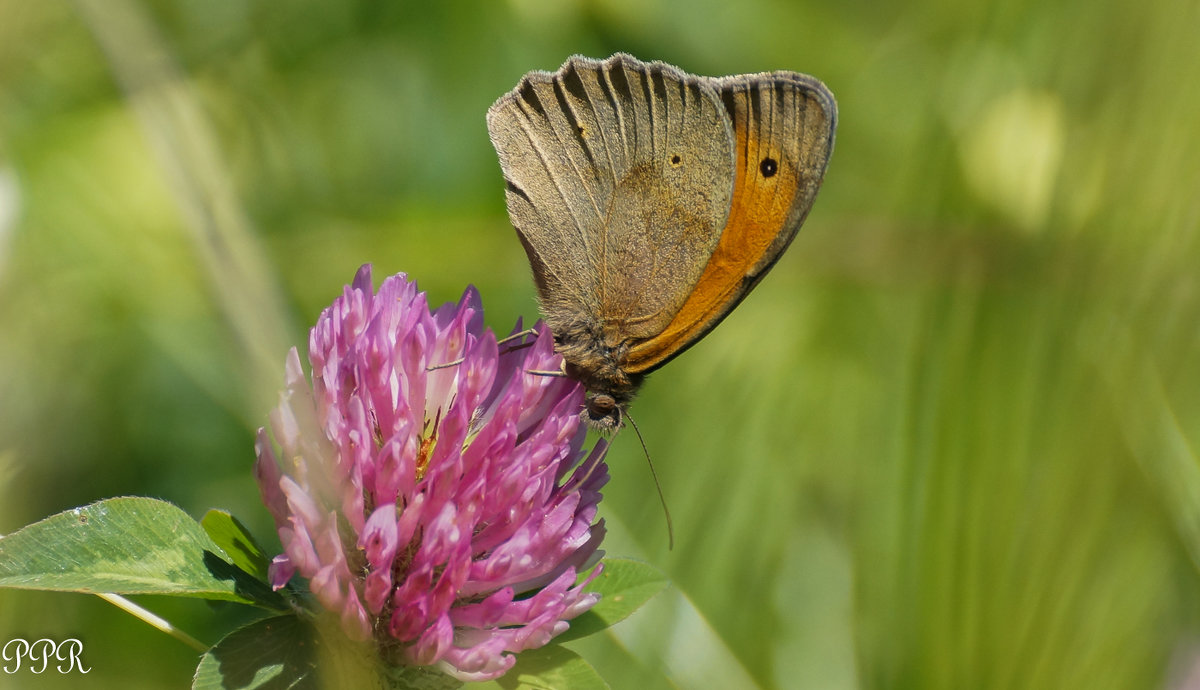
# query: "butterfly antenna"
[[661, 498]]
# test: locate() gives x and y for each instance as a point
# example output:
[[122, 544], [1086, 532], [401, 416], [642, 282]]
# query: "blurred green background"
[[951, 441]]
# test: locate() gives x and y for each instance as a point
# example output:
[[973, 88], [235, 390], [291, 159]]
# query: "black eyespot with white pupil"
[[768, 167]]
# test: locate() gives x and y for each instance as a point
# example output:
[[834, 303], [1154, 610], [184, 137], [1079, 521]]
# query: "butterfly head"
[[609, 392], [602, 412]]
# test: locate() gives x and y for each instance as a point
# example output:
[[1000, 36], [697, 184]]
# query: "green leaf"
[[123, 545], [231, 535], [549, 668], [624, 585], [275, 652], [240, 546], [290, 652]]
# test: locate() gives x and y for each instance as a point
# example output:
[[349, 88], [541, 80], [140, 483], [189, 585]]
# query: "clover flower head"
[[432, 487]]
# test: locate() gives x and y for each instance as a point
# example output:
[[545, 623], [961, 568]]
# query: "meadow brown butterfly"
[[651, 201]]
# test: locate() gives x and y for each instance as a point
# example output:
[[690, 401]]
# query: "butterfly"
[[650, 202]]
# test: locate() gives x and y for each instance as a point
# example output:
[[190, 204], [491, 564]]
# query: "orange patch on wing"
[[757, 215]]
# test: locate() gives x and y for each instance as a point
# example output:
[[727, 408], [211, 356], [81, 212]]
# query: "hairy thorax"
[[595, 356]]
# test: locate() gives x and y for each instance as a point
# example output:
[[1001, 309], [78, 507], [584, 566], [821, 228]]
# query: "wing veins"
[[777, 106], [524, 123], [587, 187]]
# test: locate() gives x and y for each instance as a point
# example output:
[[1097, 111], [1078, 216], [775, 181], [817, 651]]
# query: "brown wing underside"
[[783, 125], [619, 180]]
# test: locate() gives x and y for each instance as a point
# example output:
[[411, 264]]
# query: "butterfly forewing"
[[783, 125]]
